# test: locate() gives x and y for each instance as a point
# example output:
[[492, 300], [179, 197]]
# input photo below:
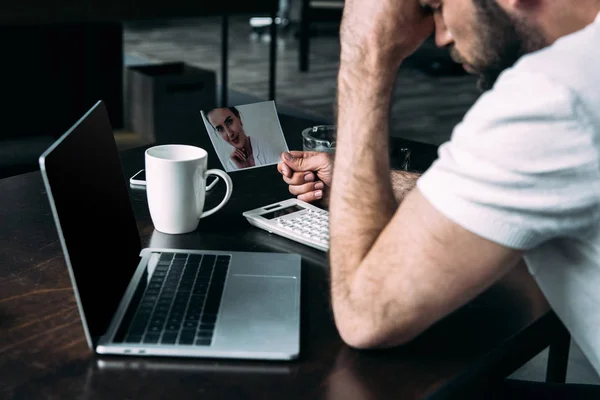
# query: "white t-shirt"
[[523, 170], [263, 154]]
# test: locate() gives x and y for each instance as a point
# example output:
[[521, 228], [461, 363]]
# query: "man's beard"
[[503, 40]]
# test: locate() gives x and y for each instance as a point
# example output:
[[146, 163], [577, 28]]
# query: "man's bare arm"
[[402, 183], [361, 176], [394, 269]]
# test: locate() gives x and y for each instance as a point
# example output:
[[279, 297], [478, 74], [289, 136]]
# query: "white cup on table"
[[176, 187]]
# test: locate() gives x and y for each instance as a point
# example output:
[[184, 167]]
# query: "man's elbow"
[[363, 333]]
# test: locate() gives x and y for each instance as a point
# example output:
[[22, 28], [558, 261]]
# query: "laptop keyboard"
[[181, 301]]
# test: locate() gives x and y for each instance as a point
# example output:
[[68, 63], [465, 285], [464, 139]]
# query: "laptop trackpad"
[[258, 310]]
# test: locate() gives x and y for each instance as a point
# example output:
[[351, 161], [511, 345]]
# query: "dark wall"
[[21, 12], [52, 74]]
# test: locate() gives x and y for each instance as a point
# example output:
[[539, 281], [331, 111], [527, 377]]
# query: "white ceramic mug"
[[176, 187]]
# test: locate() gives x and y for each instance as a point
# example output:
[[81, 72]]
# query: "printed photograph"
[[245, 136]]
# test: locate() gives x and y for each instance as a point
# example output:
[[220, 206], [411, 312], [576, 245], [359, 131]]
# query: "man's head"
[[489, 36], [227, 123]]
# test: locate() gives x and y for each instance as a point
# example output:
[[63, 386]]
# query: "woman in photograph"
[[248, 151]]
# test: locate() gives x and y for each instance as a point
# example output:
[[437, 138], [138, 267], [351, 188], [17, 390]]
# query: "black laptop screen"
[[92, 205]]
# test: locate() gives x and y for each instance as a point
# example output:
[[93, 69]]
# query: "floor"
[[426, 107]]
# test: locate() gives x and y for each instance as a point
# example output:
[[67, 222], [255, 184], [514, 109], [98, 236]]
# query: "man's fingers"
[[309, 177], [305, 160], [302, 153], [299, 178], [311, 196], [284, 170], [298, 190]]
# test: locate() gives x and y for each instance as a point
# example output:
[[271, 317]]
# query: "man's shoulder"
[[571, 61], [560, 81], [532, 114]]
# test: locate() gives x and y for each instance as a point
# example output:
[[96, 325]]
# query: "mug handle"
[[228, 193]]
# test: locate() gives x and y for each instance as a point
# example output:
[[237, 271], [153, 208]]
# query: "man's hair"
[[234, 110]]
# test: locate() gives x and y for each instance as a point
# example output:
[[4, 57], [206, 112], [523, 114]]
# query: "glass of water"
[[319, 138]]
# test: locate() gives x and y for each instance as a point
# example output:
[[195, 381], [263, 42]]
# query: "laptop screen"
[[88, 190]]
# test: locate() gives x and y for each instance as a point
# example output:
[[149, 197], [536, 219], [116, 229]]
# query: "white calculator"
[[293, 219]]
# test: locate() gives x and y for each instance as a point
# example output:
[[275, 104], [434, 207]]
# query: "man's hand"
[[382, 32], [309, 174]]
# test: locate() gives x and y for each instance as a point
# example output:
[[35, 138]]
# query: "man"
[[247, 151], [519, 178]]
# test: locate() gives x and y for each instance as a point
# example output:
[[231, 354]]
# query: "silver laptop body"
[[159, 301]]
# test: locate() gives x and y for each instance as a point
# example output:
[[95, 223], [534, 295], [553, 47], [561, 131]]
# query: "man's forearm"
[[375, 36], [402, 183], [362, 199]]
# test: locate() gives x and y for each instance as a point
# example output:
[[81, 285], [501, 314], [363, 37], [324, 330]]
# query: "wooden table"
[[43, 352]]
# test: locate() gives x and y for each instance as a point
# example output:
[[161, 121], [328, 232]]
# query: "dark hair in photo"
[[234, 110]]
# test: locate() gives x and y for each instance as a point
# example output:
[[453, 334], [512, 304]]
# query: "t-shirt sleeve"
[[522, 166]]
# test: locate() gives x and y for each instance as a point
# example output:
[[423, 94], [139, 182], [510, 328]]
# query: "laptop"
[[159, 301]]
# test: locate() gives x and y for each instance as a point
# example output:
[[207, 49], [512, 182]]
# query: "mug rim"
[[149, 151]]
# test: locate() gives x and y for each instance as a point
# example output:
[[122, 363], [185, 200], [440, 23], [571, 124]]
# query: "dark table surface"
[[43, 352]]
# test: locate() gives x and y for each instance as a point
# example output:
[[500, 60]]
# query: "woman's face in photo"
[[229, 126]]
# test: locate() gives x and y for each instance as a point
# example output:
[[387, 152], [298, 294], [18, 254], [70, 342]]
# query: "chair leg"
[[558, 357]]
